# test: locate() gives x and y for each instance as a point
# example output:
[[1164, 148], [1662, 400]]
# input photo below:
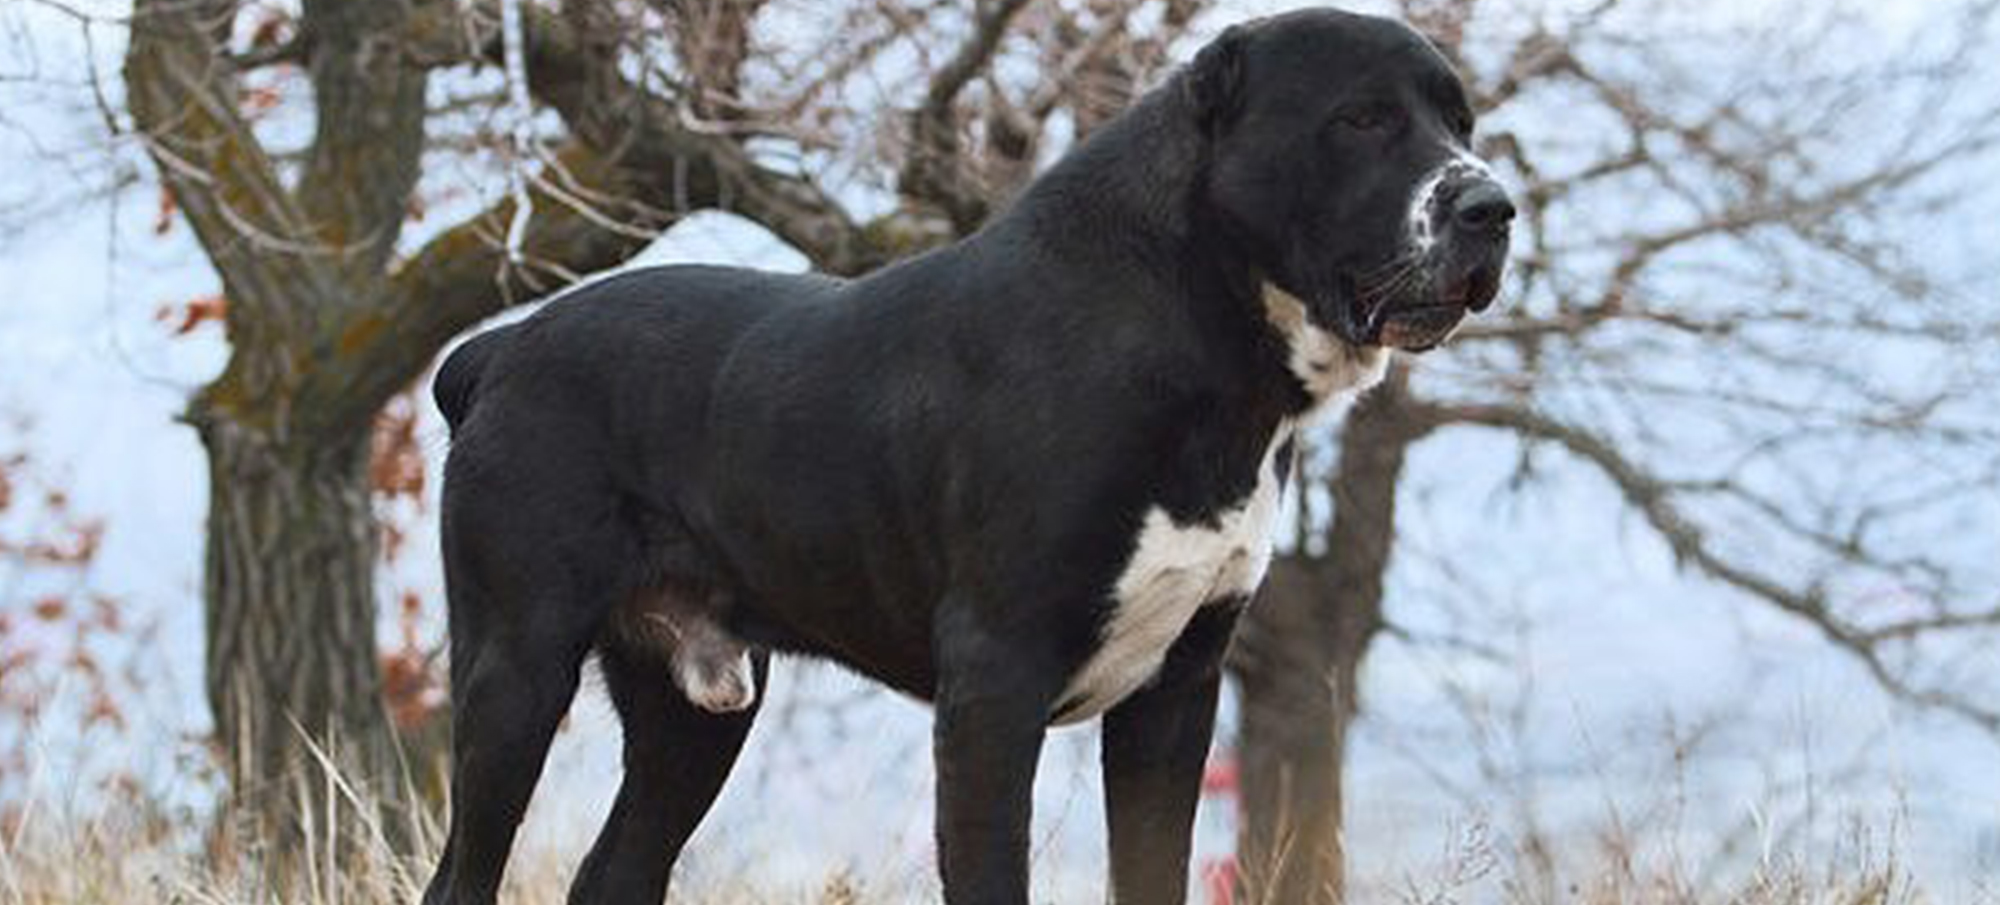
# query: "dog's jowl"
[[1031, 477]]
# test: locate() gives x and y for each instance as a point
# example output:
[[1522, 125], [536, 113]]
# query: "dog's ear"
[[1215, 80]]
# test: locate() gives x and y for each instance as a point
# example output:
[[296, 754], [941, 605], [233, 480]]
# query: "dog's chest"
[[1176, 569]]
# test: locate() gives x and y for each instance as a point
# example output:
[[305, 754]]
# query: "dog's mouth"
[[1418, 329], [1419, 311]]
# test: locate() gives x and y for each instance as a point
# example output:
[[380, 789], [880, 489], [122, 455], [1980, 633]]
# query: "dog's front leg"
[[993, 700], [1154, 745]]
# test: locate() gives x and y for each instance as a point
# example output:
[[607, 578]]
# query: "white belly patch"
[[1174, 571]]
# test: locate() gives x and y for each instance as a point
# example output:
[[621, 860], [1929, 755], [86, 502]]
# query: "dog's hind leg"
[[528, 598], [677, 756], [507, 705]]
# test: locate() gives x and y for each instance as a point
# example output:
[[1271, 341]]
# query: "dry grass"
[[1617, 873], [118, 857], [115, 860], [125, 848]]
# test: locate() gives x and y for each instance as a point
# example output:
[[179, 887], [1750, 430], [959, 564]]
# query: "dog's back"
[[686, 318]]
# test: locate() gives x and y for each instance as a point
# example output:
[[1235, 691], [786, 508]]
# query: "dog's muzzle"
[[1461, 222]]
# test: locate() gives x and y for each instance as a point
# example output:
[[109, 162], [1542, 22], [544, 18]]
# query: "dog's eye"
[[1369, 117]]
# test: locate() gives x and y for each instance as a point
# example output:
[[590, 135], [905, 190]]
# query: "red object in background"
[[1218, 874], [1219, 778]]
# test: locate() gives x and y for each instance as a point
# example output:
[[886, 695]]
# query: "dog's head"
[[1339, 157]]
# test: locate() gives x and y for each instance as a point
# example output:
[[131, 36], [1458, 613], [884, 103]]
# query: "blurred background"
[[1674, 578]]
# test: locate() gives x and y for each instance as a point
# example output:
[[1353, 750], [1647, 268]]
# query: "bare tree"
[[1718, 304]]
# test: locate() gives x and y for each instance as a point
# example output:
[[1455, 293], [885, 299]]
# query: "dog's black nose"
[[1482, 207]]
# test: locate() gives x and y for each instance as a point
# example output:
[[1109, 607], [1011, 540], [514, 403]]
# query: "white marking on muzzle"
[[1422, 232]]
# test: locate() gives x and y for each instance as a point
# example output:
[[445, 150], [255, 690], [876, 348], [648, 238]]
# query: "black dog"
[[1031, 477]]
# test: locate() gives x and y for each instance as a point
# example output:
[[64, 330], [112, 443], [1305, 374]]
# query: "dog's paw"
[[717, 684]]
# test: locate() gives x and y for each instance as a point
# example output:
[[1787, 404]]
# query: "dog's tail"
[[457, 382]]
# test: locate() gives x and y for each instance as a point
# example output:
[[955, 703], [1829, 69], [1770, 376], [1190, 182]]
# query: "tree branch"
[[712, 39], [1652, 497], [632, 168], [989, 27], [463, 276], [367, 148], [182, 96], [678, 168], [934, 171]]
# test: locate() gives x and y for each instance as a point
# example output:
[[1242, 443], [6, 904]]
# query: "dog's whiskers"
[[1407, 272], [1397, 264]]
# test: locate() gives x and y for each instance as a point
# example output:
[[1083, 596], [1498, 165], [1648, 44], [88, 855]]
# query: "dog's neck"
[[1327, 367], [1125, 184]]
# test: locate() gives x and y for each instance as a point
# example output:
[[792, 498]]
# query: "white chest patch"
[[1176, 569]]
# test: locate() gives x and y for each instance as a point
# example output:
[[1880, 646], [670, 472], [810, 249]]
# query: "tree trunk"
[[1297, 659], [292, 671]]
